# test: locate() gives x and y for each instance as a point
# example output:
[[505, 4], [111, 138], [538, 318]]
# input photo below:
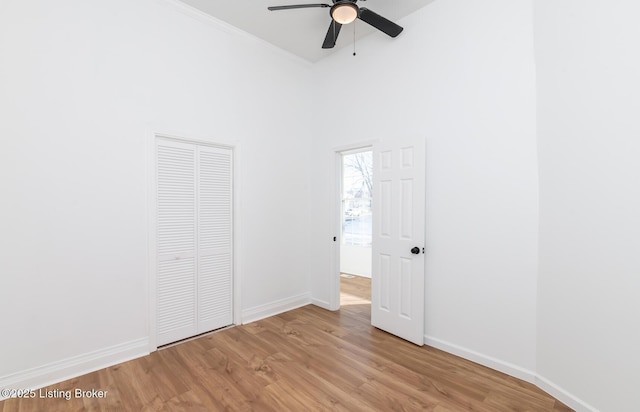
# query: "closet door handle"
[[415, 250]]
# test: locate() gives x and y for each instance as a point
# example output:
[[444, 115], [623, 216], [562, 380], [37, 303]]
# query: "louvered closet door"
[[176, 241], [194, 238], [215, 286]]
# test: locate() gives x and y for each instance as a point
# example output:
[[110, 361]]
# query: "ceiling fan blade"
[[298, 6], [332, 35], [379, 22]]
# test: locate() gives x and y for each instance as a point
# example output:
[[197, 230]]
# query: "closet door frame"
[[152, 269]]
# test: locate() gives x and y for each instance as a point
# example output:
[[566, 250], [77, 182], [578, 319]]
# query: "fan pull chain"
[[354, 37]]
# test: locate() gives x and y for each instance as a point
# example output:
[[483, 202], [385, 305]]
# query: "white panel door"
[[176, 241], [397, 283], [215, 200]]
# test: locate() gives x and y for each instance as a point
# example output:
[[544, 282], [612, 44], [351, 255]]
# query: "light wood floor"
[[355, 290], [308, 359]]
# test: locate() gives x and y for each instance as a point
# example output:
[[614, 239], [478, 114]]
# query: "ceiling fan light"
[[344, 13]]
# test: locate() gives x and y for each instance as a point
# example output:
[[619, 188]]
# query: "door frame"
[[336, 215], [152, 138]]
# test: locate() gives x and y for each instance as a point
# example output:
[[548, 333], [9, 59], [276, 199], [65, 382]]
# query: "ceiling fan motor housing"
[[344, 11]]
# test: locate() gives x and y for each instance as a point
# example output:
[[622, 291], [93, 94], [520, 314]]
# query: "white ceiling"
[[302, 31]]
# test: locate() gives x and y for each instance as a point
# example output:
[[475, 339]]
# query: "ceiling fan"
[[344, 12]]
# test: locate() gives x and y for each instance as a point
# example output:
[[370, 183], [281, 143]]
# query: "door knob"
[[415, 250]]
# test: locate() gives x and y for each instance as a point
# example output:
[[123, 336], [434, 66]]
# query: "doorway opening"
[[356, 226]]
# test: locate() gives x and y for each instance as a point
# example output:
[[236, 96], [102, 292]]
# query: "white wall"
[[355, 260], [588, 65], [462, 77], [81, 86]]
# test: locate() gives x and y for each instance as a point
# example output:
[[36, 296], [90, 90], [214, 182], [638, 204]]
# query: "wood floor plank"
[[308, 359]]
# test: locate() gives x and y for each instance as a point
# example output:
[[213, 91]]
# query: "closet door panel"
[[215, 238], [176, 241]]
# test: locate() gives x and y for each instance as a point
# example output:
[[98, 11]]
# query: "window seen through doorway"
[[357, 188]]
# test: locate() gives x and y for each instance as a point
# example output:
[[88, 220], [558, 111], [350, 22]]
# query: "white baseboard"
[[488, 361], [563, 396], [513, 370], [323, 304], [75, 366], [274, 308]]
